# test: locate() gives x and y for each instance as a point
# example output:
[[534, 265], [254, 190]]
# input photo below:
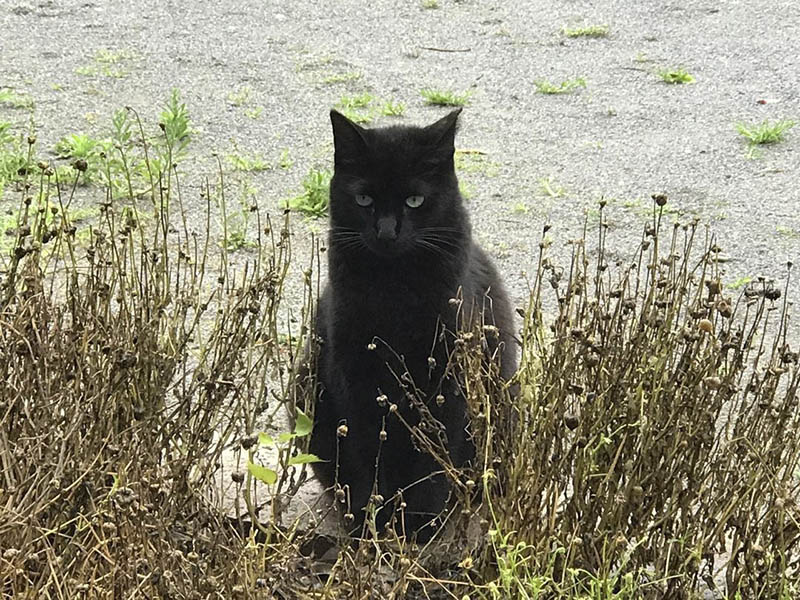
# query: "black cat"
[[400, 252]]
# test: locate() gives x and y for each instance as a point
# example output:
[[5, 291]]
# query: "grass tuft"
[[565, 87], [445, 98], [676, 76], [590, 31], [239, 97], [313, 201], [393, 109], [347, 77], [364, 108], [766, 132], [247, 161], [11, 99]]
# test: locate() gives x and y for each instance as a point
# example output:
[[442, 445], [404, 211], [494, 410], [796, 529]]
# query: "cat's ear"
[[348, 140], [443, 135]]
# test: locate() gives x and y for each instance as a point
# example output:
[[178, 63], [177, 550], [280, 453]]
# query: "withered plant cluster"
[[131, 358], [647, 448], [652, 449]]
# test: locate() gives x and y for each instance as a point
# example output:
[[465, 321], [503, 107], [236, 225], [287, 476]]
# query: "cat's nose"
[[387, 228]]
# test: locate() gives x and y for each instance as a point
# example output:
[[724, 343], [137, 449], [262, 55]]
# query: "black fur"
[[393, 271]]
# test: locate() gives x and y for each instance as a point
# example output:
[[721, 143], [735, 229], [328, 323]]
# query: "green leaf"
[[264, 474], [285, 437], [303, 424], [264, 439], [304, 459]]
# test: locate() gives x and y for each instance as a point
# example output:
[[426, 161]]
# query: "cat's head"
[[394, 189]]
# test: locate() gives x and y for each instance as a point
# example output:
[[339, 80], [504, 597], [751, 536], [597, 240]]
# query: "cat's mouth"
[[386, 248]]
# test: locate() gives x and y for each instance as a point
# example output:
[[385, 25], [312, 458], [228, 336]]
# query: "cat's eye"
[[363, 200], [415, 201]]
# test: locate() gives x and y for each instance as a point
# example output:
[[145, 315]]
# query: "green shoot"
[[766, 132], [313, 201], [591, 31], [11, 99], [676, 76], [445, 98], [565, 87]]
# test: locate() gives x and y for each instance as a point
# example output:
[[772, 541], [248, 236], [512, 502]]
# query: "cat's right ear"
[[348, 140]]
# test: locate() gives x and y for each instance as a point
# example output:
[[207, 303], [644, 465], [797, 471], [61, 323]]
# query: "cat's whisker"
[[440, 240], [442, 229], [443, 243], [436, 249]]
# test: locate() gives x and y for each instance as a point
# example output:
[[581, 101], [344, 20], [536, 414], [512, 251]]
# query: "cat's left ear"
[[443, 134], [349, 146]]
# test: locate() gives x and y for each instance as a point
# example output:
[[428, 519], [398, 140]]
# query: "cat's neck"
[[359, 269]]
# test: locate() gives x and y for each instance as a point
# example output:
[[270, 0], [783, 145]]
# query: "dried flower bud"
[[10, 554], [571, 421], [637, 493], [705, 326], [342, 430]]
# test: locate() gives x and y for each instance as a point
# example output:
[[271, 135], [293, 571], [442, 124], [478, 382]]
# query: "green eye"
[[363, 200], [415, 201]]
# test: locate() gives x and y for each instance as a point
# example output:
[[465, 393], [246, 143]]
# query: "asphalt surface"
[[266, 73], [624, 136]]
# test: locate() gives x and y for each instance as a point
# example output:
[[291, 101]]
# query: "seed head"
[[637, 493], [342, 430], [705, 326], [10, 554], [571, 421]]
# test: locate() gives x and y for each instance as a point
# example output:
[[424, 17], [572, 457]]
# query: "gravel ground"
[[624, 136], [266, 73]]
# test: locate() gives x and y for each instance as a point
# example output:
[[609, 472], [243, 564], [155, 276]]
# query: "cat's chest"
[[401, 316]]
